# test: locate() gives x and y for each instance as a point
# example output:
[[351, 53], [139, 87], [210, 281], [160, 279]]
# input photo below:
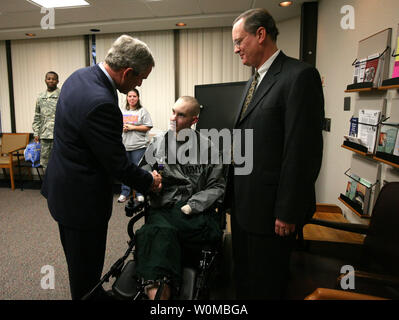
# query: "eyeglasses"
[[237, 43]]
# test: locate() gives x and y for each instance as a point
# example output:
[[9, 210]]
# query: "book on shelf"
[[396, 147], [395, 72], [353, 127], [367, 129], [351, 186], [363, 195], [387, 138], [354, 140], [371, 69], [360, 67], [358, 190]]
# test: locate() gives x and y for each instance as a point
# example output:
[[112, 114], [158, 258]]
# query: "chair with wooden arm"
[[332, 294], [375, 261], [11, 143]]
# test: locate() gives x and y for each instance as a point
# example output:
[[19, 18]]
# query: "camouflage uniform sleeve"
[[37, 122]]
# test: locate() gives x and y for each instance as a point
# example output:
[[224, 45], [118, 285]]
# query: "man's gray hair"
[[128, 52], [258, 17]]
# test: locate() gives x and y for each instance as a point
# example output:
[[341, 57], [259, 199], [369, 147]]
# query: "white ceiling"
[[18, 17]]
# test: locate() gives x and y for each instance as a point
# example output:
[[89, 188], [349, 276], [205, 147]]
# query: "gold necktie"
[[249, 95]]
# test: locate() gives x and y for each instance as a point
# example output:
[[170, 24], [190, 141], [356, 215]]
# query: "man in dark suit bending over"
[[284, 106], [88, 155]]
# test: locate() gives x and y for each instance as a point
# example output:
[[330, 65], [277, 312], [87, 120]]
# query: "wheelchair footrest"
[[126, 286]]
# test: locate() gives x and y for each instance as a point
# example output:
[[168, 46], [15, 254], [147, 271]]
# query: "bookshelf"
[[371, 156], [371, 68], [349, 206]]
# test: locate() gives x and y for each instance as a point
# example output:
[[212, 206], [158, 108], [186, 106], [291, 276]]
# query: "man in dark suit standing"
[[284, 106], [88, 155]]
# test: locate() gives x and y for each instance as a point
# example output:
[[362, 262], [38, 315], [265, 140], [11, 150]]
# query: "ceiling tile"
[[173, 7], [214, 6]]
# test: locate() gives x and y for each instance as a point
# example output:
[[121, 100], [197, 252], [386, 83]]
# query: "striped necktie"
[[249, 95]]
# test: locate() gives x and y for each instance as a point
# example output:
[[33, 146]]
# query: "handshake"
[[157, 186], [157, 181]]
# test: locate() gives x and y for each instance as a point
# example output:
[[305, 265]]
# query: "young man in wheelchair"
[[183, 211]]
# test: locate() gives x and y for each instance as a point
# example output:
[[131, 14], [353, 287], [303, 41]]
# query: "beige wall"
[[336, 50], [288, 39], [202, 56]]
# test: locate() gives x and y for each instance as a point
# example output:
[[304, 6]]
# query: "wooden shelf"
[[396, 86], [386, 162], [361, 90], [382, 88], [371, 156], [357, 151], [364, 216]]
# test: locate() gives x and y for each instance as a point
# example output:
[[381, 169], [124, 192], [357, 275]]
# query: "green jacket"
[[199, 185], [43, 121]]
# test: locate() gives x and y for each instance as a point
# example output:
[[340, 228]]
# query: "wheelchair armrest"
[[132, 221], [351, 227]]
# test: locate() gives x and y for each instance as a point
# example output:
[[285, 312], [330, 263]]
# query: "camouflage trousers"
[[46, 145]]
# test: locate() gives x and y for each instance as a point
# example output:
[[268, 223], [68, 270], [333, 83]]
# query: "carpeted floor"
[[29, 240]]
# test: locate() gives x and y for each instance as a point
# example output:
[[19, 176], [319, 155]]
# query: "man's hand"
[[283, 229], [157, 182]]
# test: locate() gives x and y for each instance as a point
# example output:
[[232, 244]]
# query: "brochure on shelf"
[[371, 69], [396, 147], [367, 132], [360, 67], [387, 138], [353, 128], [355, 140]]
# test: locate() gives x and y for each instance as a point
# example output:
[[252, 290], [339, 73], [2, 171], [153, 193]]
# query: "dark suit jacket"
[[88, 153], [286, 115]]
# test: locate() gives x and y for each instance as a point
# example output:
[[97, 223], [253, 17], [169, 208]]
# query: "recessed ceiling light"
[[59, 3], [30, 34], [285, 3], [180, 24]]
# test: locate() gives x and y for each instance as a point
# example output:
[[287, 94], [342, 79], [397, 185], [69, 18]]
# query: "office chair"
[[12, 143], [375, 262]]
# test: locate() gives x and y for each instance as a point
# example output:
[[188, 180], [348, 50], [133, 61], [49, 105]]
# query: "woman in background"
[[136, 123]]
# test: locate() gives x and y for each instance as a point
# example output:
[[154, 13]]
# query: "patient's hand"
[[186, 209], [157, 183]]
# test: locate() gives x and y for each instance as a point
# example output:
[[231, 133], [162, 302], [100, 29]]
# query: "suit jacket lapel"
[[267, 83]]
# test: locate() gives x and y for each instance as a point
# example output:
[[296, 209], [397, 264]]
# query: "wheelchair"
[[201, 265]]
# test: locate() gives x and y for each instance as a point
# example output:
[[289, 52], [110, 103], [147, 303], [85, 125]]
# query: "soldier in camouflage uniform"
[[43, 121]]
